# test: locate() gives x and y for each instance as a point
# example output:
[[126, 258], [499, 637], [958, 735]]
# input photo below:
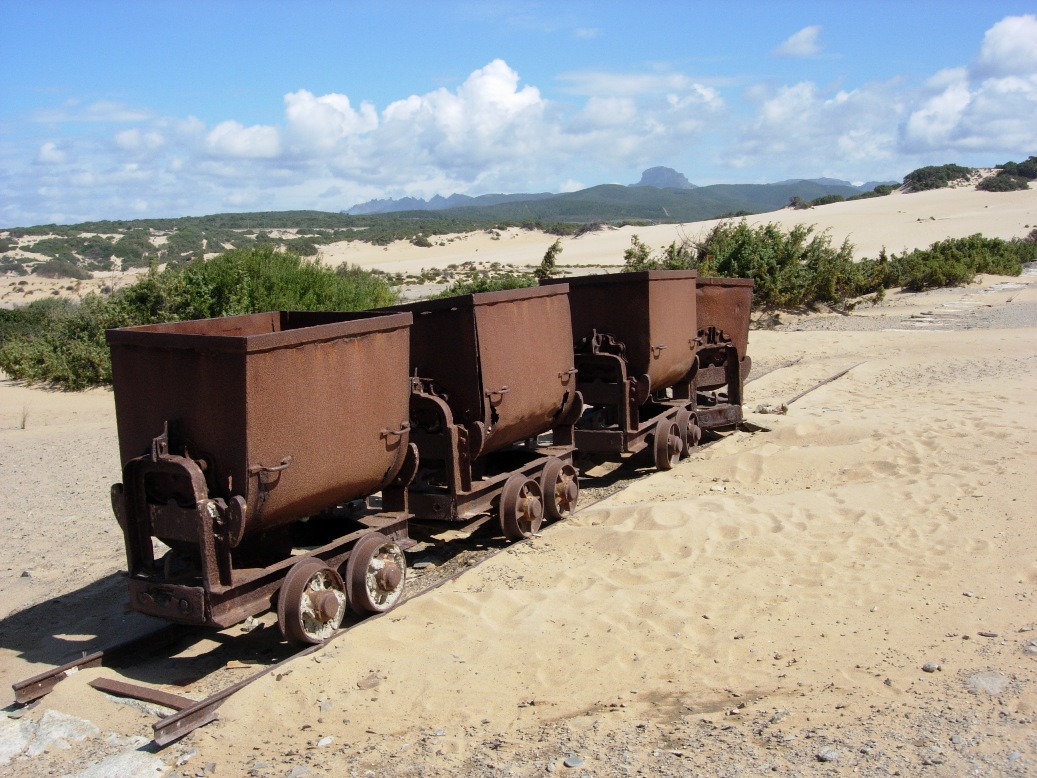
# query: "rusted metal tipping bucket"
[[492, 372], [646, 313], [230, 428], [635, 338], [723, 306]]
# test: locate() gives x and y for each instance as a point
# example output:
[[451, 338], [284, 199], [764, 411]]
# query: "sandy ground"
[[851, 592]]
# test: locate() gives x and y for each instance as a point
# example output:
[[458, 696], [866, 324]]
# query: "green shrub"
[[791, 269], [827, 199], [880, 191], [486, 282], [935, 176], [1027, 169], [60, 268], [957, 261], [1003, 183], [64, 344]]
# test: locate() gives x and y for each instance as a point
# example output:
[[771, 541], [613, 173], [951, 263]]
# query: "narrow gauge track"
[[190, 714]]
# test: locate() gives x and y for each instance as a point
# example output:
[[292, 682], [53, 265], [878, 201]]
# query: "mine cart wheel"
[[521, 507], [561, 488], [375, 574], [684, 423], [691, 433], [668, 444], [311, 603]]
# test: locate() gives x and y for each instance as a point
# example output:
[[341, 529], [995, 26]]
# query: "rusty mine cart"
[[635, 342], [493, 406], [232, 432]]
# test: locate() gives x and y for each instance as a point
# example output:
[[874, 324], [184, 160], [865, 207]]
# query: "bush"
[[1027, 169], [1003, 183], [485, 282], [956, 261], [791, 269], [935, 176], [60, 268], [827, 199], [880, 191], [65, 344]]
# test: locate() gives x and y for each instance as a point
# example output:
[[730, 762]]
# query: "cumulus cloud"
[[801, 44], [1009, 48], [801, 128], [231, 139], [320, 123], [989, 106]]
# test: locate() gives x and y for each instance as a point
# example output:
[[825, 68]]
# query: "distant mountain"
[[662, 194], [438, 203], [617, 203], [664, 178]]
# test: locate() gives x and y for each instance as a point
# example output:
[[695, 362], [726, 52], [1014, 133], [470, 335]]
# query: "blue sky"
[[120, 110]]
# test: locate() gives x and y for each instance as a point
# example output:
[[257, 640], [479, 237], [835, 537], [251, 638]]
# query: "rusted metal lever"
[[499, 392], [404, 427], [255, 469]]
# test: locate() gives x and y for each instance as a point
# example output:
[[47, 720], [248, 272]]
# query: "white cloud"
[[800, 129], [602, 83], [50, 154], [231, 139], [988, 107], [1009, 48], [320, 123], [137, 141], [801, 44]]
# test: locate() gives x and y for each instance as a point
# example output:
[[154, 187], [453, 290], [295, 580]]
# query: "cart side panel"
[[673, 327], [326, 407], [525, 345], [444, 348], [725, 303], [199, 393]]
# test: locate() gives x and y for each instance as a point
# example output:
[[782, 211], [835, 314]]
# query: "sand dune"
[[897, 222]]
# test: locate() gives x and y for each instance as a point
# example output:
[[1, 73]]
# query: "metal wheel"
[[311, 602], [684, 423], [521, 507], [561, 488], [668, 444], [375, 574]]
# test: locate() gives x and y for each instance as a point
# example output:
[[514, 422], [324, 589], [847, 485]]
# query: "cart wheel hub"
[[534, 509], [570, 492], [325, 604], [389, 577]]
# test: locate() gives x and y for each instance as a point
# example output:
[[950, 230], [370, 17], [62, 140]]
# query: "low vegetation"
[[935, 177], [801, 267], [62, 342]]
